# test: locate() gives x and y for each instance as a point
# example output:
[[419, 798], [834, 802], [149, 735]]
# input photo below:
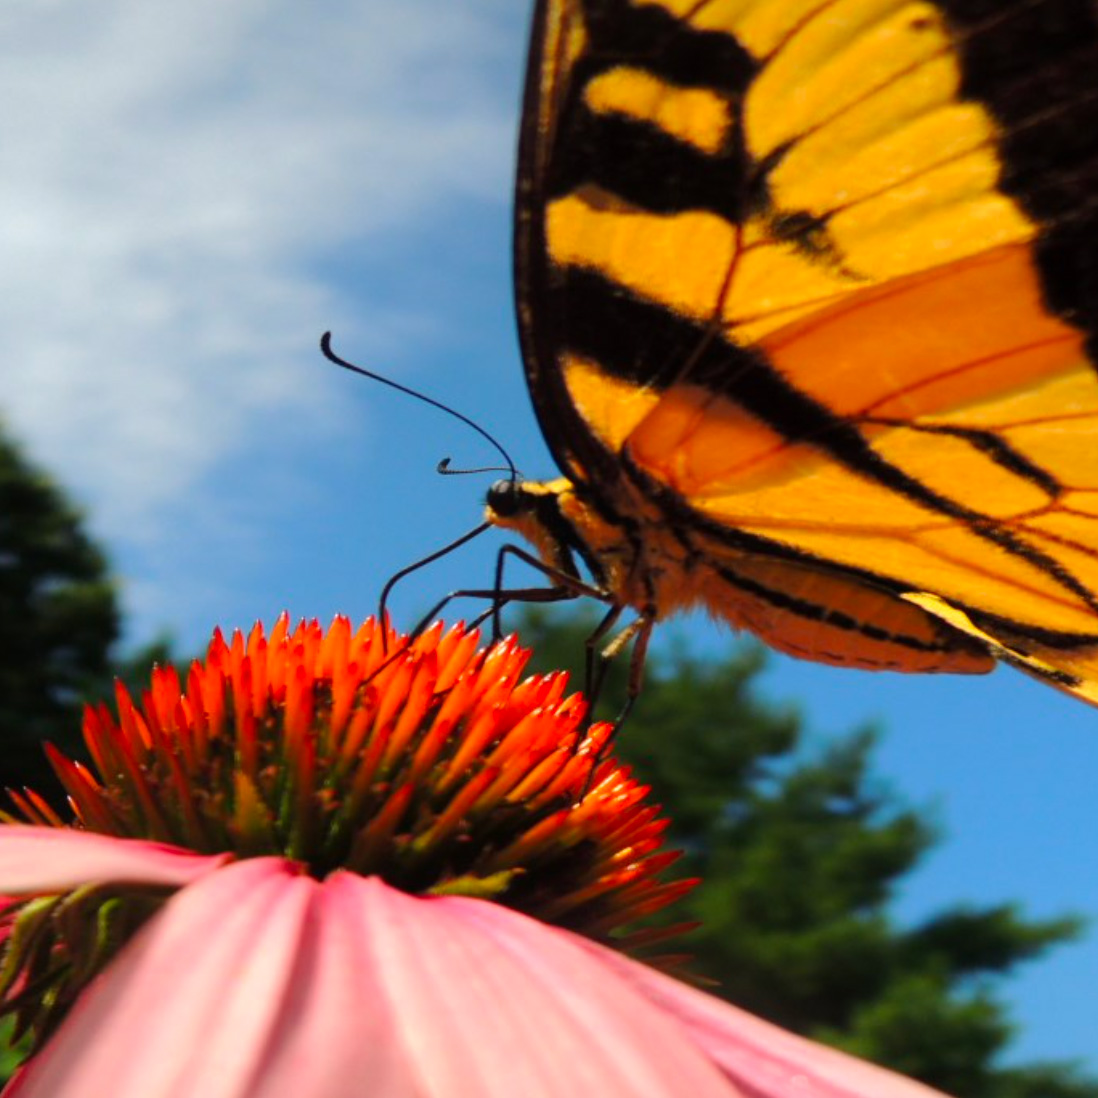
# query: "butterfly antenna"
[[443, 468], [331, 356]]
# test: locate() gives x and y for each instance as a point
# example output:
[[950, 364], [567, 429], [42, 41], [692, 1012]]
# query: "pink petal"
[[258, 982], [493, 1004], [767, 1060], [53, 859], [248, 984]]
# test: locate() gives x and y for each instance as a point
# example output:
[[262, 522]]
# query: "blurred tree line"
[[59, 623], [800, 849]]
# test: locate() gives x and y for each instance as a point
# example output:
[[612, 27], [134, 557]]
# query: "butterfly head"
[[538, 512], [563, 527], [530, 508]]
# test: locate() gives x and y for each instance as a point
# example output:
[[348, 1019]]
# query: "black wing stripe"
[[639, 163], [667, 46], [648, 169], [828, 615], [993, 624], [993, 446], [1032, 64]]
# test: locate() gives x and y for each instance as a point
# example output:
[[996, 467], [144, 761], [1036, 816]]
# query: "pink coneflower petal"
[[769, 1062], [494, 1004], [50, 859], [258, 982], [248, 984]]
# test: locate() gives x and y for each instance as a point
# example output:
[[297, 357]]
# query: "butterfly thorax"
[[638, 562]]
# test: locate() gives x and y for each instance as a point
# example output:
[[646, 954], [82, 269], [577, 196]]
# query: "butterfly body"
[[640, 562], [658, 568], [808, 298]]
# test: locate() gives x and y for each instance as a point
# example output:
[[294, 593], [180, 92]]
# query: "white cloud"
[[170, 180]]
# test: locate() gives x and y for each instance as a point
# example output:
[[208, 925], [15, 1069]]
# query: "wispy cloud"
[[171, 179]]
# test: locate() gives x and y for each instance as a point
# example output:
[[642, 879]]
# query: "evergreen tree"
[[800, 852], [59, 624], [58, 619]]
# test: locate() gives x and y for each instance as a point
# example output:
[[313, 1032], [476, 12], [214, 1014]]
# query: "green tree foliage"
[[59, 624], [800, 850], [58, 619]]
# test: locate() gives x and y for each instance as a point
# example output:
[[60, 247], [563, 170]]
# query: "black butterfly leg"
[[639, 631], [596, 661], [497, 598], [566, 584], [565, 587]]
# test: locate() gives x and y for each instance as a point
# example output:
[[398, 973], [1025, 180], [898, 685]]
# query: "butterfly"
[[808, 302]]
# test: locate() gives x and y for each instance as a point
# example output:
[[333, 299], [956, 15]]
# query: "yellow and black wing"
[[818, 281]]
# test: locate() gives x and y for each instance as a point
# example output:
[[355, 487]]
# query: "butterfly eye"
[[505, 498]]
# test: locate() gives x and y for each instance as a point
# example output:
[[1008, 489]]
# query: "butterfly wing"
[[819, 278]]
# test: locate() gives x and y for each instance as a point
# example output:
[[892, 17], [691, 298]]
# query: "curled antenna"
[[331, 356], [444, 469]]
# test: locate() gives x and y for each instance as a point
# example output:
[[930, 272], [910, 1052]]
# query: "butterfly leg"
[[383, 600], [498, 598], [565, 586], [639, 631], [596, 662], [561, 577], [567, 583]]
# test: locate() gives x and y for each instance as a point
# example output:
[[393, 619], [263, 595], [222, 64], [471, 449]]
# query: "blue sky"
[[190, 196]]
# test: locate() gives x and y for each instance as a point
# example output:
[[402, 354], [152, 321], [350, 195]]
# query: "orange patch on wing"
[[930, 342], [959, 338]]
